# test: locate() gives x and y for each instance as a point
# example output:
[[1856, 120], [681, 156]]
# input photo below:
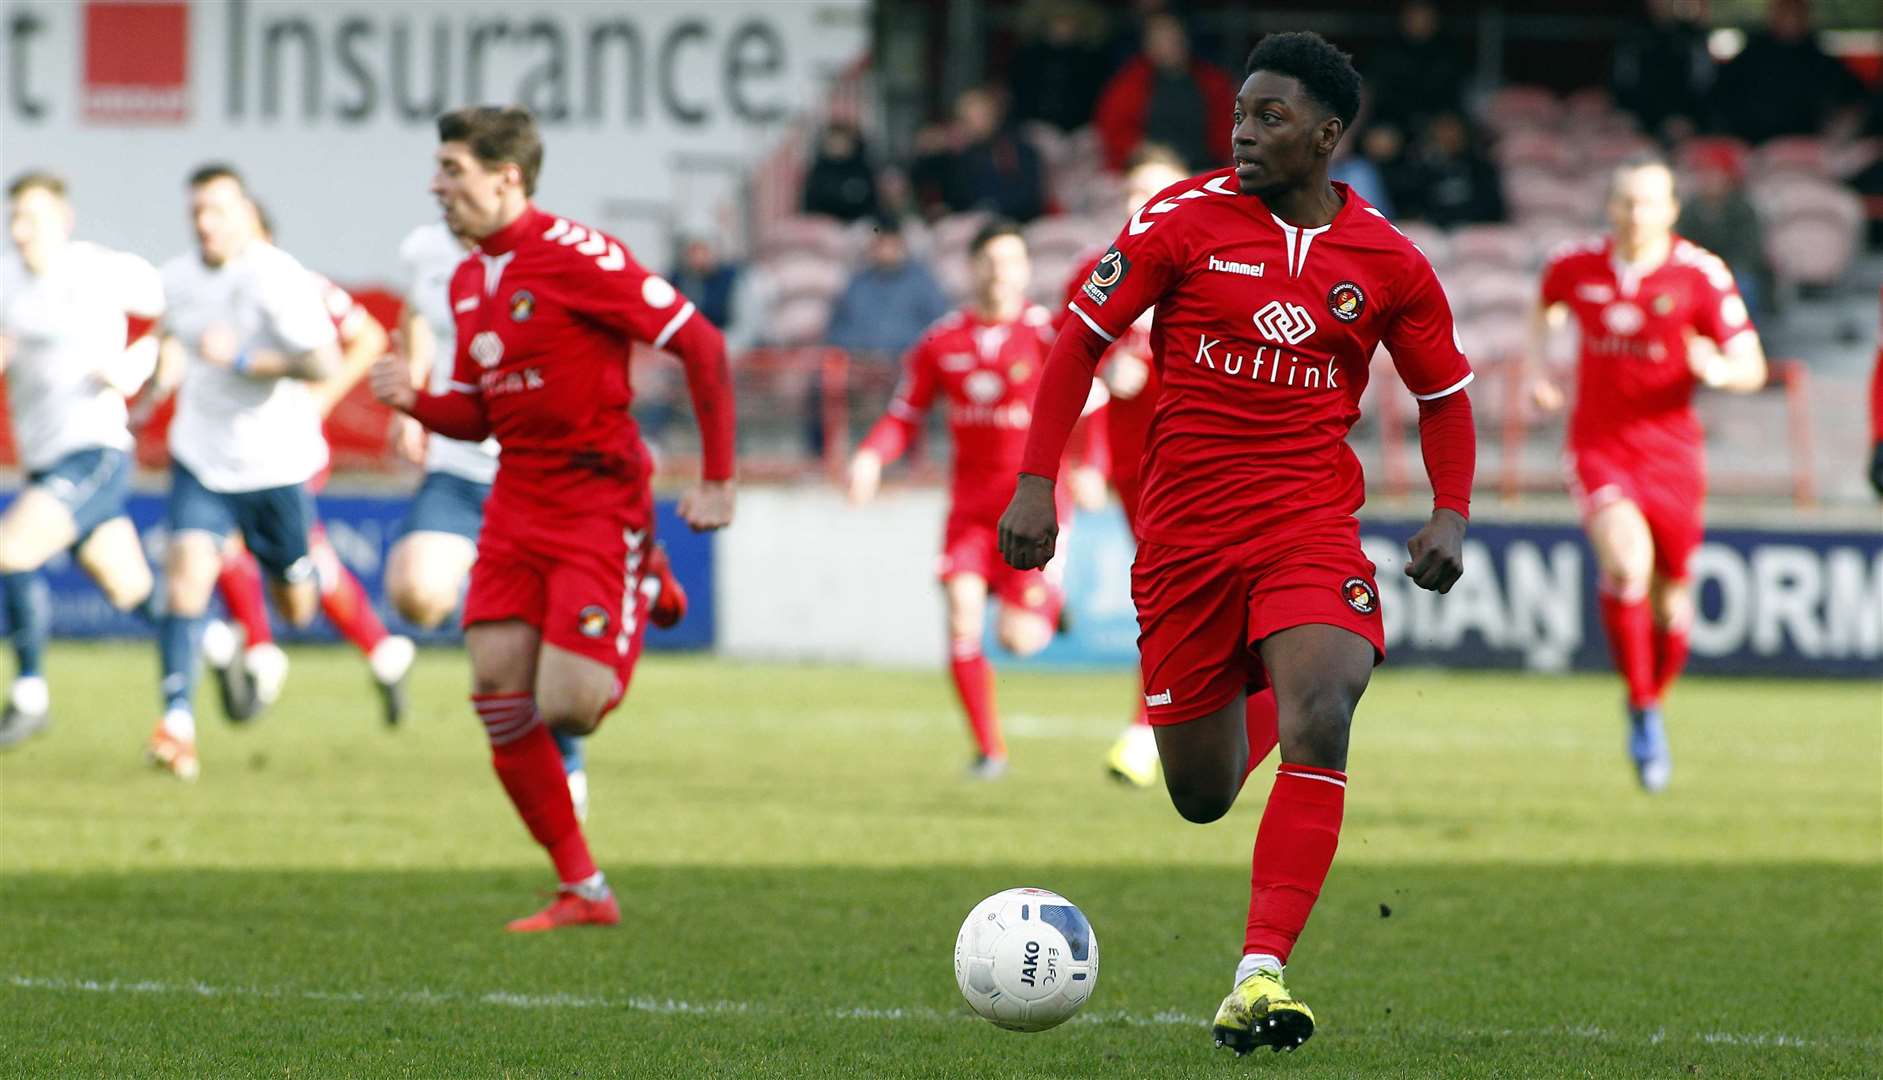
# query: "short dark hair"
[[37, 180], [1325, 72], [993, 231], [216, 170], [498, 135]]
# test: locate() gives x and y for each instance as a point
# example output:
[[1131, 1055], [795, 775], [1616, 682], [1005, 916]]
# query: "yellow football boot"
[[1261, 1012]]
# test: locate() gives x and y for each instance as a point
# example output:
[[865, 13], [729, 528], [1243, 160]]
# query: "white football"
[[1026, 959]]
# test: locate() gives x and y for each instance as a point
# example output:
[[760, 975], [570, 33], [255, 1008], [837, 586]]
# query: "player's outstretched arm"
[[702, 352], [358, 353], [1029, 529]]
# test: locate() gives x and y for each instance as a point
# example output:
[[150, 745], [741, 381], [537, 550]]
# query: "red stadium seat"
[[800, 320], [1503, 246], [954, 232], [1066, 236], [1515, 108], [1429, 239], [1532, 148], [806, 274], [1812, 248], [815, 234], [1804, 154]]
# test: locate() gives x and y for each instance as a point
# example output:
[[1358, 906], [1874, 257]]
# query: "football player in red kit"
[[1876, 415], [985, 361], [547, 313], [1273, 287], [1658, 317], [1133, 384]]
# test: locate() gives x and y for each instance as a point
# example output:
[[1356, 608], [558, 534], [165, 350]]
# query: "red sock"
[[1670, 657], [1293, 849], [527, 762], [1631, 643], [1259, 716], [350, 610], [974, 681], [241, 585]]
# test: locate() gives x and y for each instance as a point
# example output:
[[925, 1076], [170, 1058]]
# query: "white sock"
[[1254, 961], [31, 695], [180, 724], [592, 887]]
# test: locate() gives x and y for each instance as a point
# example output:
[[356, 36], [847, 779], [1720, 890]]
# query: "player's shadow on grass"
[[1412, 966]]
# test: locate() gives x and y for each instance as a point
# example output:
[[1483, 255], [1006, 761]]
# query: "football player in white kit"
[[67, 309], [246, 439]]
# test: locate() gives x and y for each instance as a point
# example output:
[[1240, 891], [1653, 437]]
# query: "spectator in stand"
[[1188, 102], [1783, 83], [1663, 70], [1416, 76], [840, 182], [711, 284], [1458, 184], [1360, 173], [931, 160], [1384, 148], [1720, 218], [1058, 70], [889, 302], [992, 168]]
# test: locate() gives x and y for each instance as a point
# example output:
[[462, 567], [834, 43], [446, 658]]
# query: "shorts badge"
[[1360, 595], [522, 305], [593, 621]]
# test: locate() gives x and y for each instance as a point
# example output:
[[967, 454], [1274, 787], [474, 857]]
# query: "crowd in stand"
[[1434, 150]]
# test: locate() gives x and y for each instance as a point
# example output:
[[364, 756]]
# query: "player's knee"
[[298, 601], [1316, 722], [572, 714], [1025, 636], [1199, 804], [421, 603]]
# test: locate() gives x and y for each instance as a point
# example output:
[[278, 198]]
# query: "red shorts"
[[1670, 495], [1203, 610], [971, 546], [577, 581]]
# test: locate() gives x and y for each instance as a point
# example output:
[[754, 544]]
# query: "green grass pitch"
[[795, 849]]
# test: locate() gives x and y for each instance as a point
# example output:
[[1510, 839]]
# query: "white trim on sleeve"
[[463, 388], [1087, 320], [1449, 390], [673, 325]]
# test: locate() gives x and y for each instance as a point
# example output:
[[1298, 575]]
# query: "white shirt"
[[431, 255], [67, 368], [234, 432]]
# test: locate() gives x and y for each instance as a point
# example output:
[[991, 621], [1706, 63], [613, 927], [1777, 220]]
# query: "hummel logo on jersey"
[[1284, 324], [1246, 269], [1157, 699]]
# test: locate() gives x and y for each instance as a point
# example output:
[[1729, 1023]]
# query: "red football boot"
[[667, 602], [569, 909]]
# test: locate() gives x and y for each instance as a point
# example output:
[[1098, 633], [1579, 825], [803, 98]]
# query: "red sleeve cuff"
[[1448, 440]]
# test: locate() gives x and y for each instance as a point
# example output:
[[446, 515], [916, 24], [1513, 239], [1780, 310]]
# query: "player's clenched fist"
[[1437, 558], [1031, 524], [708, 506], [392, 382]]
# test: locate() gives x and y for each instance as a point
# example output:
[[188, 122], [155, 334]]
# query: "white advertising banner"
[[652, 111]]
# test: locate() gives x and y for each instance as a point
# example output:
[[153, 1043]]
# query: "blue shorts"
[[274, 521], [447, 503], [92, 483]]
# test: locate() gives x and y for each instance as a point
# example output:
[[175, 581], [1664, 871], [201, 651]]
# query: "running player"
[[1658, 316], [67, 309], [1133, 383], [1273, 287], [430, 561], [547, 314], [246, 439], [256, 683], [985, 360]]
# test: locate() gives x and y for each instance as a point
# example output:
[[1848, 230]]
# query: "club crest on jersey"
[[1019, 371], [1663, 304], [522, 305], [1346, 300], [984, 387], [487, 348], [592, 621], [1360, 595], [1111, 269]]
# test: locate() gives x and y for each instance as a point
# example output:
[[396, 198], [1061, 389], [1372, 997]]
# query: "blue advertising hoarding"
[[1773, 601], [362, 529]]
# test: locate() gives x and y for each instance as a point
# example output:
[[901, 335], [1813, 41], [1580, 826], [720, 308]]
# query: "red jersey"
[[1263, 335], [347, 313], [547, 315], [1634, 385], [987, 372]]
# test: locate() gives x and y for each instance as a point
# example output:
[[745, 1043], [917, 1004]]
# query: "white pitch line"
[[919, 1013]]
